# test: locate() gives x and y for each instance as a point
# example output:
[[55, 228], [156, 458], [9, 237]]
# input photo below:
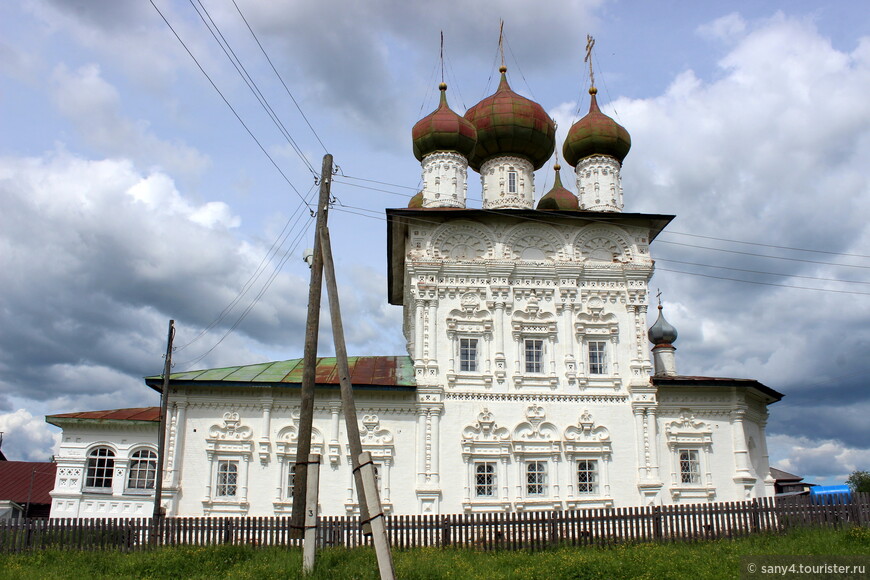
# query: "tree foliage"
[[859, 481]]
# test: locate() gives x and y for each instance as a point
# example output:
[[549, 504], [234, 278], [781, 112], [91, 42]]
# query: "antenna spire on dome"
[[502, 68], [442, 58]]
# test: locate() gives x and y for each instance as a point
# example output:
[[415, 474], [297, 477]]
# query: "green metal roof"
[[365, 371]]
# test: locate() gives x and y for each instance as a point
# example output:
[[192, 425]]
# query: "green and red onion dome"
[[596, 134], [559, 198], [443, 130], [416, 201], [509, 124]]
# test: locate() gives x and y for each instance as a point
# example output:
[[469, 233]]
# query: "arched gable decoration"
[[462, 241], [603, 244], [534, 242], [535, 428]]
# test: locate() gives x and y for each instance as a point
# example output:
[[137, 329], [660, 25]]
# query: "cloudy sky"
[[131, 192]]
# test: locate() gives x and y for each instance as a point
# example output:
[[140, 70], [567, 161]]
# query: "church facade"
[[529, 383]]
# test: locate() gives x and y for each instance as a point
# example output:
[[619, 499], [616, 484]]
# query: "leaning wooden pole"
[[158, 513], [348, 405], [309, 361]]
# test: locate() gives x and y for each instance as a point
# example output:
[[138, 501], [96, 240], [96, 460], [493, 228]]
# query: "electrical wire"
[[286, 88], [238, 117], [249, 81]]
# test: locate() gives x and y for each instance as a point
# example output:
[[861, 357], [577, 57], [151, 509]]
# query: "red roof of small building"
[[15, 481], [135, 414]]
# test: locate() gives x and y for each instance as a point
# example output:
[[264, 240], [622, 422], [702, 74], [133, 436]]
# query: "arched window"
[[143, 470], [101, 464]]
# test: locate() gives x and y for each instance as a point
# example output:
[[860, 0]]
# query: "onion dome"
[[559, 197], [596, 134], [416, 201], [662, 332], [509, 124], [443, 130]]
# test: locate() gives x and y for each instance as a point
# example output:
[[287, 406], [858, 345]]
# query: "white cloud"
[[727, 27], [822, 461], [94, 107], [27, 438]]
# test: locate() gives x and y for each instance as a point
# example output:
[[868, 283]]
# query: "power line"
[[764, 283], [761, 272], [664, 232], [347, 208], [764, 255], [249, 81], [265, 261], [214, 86], [298, 108], [767, 245]]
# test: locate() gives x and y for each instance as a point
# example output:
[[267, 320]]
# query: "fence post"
[[228, 530], [657, 522], [756, 517], [445, 531]]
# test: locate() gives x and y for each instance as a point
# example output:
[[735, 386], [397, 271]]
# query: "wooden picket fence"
[[483, 531]]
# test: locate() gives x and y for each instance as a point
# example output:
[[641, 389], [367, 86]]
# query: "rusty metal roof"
[[396, 372], [695, 381], [15, 478], [135, 414]]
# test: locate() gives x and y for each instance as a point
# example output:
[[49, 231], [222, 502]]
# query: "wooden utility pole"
[[309, 360], [161, 434], [348, 405]]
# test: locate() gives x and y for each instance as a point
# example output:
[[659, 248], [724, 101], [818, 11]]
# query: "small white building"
[[528, 383]]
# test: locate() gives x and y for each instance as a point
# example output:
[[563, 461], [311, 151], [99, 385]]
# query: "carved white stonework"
[[495, 180], [599, 185], [444, 179]]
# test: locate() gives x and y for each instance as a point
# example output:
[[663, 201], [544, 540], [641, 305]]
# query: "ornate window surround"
[[586, 441], [597, 326], [690, 434], [470, 321], [486, 441], [537, 440], [378, 441], [286, 445], [531, 323], [229, 441]]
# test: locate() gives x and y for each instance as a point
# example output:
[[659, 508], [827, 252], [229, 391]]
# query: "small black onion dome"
[[416, 201], [510, 124], [559, 197], [662, 332], [443, 130], [595, 134]]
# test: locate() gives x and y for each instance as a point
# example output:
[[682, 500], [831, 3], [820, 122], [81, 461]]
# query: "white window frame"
[[597, 358], [141, 472], [588, 477], [228, 441], [223, 484], [690, 466], [512, 181], [536, 482], [100, 466], [489, 472], [469, 345], [537, 359], [588, 442]]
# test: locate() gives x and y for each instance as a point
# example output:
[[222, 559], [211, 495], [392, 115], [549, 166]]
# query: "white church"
[[532, 381]]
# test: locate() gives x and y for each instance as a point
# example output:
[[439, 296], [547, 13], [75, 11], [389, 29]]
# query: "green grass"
[[715, 559]]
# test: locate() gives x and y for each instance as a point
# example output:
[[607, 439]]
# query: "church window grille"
[[291, 480], [468, 355], [143, 470], [536, 478], [587, 476], [485, 483], [101, 465], [227, 478], [534, 355], [690, 467], [597, 357]]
